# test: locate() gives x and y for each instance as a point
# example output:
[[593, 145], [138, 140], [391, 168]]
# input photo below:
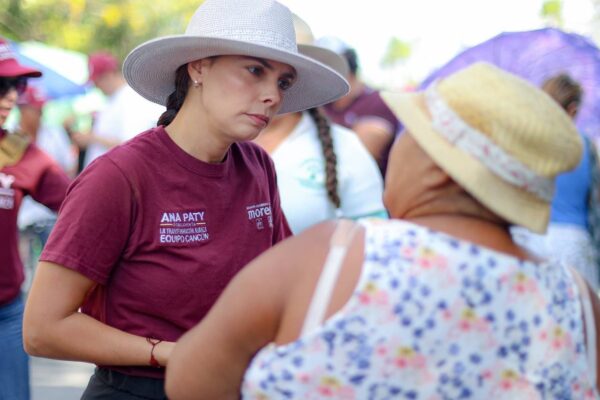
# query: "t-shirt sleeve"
[[94, 222], [51, 188], [361, 184]]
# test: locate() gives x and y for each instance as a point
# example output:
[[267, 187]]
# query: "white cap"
[[333, 43]]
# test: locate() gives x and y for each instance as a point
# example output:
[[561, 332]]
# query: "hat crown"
[[267, 23], [527, 124]]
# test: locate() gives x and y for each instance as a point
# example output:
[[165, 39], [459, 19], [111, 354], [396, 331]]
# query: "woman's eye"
[[254, 70], [285, 84]]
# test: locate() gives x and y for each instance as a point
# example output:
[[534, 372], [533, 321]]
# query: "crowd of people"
[[248, 218]]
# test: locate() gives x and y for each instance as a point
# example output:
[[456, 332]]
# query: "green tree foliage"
[[397, 51], [88, 25]]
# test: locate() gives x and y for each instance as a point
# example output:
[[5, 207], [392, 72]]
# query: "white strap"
[[338, 247], [590, 326]]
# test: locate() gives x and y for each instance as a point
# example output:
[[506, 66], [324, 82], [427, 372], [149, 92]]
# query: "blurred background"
[[399, 42]]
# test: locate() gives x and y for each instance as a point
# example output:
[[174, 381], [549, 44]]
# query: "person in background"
[[124, 115], [24, 170], [437, 302], [35, 220], [568, 238], [323, 170], [362, 109], [153, 230], [52, 140]]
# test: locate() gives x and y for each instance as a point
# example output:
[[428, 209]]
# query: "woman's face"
[[239, 95], [7, 103]]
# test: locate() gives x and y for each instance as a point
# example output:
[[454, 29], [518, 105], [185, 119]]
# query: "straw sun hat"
[[257, 28], [500, 138]]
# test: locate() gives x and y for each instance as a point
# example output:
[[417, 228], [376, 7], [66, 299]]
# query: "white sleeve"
[[359, 180]]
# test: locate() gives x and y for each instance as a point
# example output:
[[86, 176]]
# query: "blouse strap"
[[338, 246], [590, 326]]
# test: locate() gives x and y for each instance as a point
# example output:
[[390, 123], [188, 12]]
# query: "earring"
[[196, 83]]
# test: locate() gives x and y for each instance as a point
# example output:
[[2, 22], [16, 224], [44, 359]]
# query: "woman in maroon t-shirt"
[[152, 231], [24, 170]]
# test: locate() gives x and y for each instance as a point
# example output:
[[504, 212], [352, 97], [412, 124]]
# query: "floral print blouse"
[[434, 317]]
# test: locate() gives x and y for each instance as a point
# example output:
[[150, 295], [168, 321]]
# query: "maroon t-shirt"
[[367, 105], [162, 233], [37, 175]]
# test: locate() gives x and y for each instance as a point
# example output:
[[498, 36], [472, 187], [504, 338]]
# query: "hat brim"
[[19, 71], [327, 57], [515, 205], [150, 69]]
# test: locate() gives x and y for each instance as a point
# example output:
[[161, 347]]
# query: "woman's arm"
[[596, 310], [266, 302], [209, 361], [53, 327]]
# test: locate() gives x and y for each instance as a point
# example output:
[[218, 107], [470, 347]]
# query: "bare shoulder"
[[288, 274]]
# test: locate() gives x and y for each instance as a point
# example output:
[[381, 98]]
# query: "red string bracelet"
[[153, 360]]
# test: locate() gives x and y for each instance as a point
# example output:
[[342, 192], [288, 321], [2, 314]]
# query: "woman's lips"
[[259, 119]]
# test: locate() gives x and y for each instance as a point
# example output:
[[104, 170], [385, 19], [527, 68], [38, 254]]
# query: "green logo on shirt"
[[312, 174]]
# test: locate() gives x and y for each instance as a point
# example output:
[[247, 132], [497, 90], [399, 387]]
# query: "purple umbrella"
[[536, 56]]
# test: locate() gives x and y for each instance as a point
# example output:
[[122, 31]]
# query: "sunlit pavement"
[[58, 380]]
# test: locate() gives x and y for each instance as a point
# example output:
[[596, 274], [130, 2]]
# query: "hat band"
[[454, 129]]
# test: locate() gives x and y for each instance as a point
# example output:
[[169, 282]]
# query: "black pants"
[[113, 385]]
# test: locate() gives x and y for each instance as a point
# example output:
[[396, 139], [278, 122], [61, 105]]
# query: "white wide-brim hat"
[[257, 28]]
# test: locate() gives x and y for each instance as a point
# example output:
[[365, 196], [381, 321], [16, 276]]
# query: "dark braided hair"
[[175, 99], [324, 134]]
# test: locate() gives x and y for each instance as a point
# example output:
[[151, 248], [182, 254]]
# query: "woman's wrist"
[[162, 352]]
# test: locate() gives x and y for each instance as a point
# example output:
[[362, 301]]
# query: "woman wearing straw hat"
[[438, 302], [323, 169], [152, 231], [25, 170]]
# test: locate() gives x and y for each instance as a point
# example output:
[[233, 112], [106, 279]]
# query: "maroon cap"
[[10, 67], [32, 97], [101, 62]]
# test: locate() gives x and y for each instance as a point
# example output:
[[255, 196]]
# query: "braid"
[[324, 134], [175, 99]]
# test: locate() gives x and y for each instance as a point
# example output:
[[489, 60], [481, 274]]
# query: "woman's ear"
[[196, 70], [572, 109]]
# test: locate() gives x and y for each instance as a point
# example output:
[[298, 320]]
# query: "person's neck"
[[277, 131], [450, 209], [197, 138], [490, 234]]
